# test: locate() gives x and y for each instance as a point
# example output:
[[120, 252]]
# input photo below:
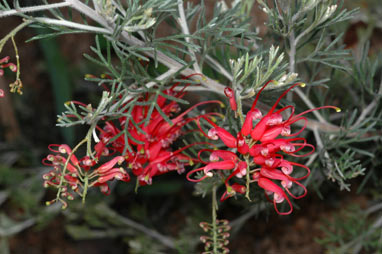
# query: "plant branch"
[[292, 64], [13, 33], [133, 41], [75, 25], [309, 103], [161, 77], [356, 244], [124, 221], [183, 24], [330, 163], [292, 52], [33, 9], [369, 108], [217, 66], [19, 227], [87, 11]]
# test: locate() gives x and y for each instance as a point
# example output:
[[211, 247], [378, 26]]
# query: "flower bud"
[[231, 95]]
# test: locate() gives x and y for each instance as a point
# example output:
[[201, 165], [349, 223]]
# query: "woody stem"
[[292, 68], [86, 180], [214, 216]]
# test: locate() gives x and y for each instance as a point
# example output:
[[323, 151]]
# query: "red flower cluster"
[[262, 148], [142, 140], [150, 153], [70, 174]]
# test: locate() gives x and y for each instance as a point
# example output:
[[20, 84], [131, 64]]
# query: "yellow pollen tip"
[[222, 105], [338, 110], [302, 84], [213, 119], [47, 203], [191, 163]]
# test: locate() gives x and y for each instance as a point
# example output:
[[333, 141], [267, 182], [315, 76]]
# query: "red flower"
[[261, 142], [150, 136], [222, 160], [4, 64], [231, 96], [72, 175]]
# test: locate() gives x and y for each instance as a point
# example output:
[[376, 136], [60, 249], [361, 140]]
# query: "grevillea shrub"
[[236, 108]]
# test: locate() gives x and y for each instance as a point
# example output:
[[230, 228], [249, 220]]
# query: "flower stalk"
[[214, 219]]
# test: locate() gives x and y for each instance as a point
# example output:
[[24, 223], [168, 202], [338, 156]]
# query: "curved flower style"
[[5, 64], [70, 174], [262, 143]]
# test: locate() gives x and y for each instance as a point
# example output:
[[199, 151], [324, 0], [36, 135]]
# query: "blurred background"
[[167, 213]]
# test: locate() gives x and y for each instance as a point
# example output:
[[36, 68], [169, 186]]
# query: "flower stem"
[[183, 24], [17, 58], [86, 180], [214, 216], [293, 41]]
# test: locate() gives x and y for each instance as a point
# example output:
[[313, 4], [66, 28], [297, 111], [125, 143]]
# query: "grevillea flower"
[[150, 136], [71, 175], [142, 141], [260, 148]]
